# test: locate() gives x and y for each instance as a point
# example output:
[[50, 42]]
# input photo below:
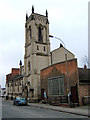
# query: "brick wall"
[[15, 70], [59, 69], [84, 90]]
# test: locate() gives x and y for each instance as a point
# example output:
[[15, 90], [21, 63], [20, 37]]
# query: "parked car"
[[20, 101]]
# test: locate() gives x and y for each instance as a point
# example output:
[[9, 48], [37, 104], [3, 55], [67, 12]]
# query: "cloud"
[[8, 12]]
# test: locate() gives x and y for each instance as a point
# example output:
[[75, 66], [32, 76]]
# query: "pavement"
[[82, 110]]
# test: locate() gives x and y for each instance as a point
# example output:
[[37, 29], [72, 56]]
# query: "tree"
[[86, 61]]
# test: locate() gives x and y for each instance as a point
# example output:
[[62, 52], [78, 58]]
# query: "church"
[[37, 52], [42, 68]]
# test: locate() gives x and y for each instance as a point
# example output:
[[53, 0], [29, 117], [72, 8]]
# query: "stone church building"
[[40, 62], [37, 53]]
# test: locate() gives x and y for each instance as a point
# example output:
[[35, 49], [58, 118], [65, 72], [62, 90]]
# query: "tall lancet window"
[[39, 34], [30, 31], [29, 66]]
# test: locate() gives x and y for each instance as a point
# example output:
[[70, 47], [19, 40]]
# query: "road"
[[11, 111]]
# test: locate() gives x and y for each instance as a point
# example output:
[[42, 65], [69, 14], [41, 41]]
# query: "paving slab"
[[83, 110]]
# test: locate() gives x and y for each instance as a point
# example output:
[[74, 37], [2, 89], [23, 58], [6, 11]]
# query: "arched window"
[[39, 34]]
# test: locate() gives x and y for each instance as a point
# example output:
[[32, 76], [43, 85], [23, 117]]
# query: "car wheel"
[[26, 104]]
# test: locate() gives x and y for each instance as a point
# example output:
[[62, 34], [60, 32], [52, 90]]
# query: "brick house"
[[84, 85], [14, 82]]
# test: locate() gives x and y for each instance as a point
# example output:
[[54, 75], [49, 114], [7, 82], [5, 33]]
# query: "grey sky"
[[68, 21]]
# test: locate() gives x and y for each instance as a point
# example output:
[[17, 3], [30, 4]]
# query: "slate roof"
[[84, 75], [11, 77]]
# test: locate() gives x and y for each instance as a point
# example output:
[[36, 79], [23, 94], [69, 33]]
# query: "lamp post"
[[68, 87]]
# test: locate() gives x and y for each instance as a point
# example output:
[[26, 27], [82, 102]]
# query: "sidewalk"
[[83, 110]]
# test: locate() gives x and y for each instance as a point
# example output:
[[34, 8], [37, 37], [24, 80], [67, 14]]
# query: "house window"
[[37, 47], [10, 88], [22, 83], [19, 83], [44, 48], [13, 89], [39, 34], [56, 86], [31, 92], [18, 88]]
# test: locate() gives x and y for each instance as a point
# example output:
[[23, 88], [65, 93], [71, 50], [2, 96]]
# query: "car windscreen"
[[22, 99], [18, 98]]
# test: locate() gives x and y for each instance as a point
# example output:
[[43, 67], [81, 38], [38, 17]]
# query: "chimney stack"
[[85, 67]]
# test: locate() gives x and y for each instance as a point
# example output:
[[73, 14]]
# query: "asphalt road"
[[11, 111]]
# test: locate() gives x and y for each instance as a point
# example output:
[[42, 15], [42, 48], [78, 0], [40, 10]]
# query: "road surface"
[[11, 111]]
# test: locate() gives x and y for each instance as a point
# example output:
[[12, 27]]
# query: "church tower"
[[37, 52]]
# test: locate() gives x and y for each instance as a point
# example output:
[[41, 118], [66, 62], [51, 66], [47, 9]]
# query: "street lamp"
[[68, 87]]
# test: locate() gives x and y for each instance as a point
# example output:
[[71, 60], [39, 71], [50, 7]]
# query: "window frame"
[[59, 87], [40, 34]]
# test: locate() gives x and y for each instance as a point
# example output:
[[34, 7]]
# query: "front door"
[[42, 94], [74, 93]]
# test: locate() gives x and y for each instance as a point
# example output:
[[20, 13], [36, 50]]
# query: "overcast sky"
[[68, 21]]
